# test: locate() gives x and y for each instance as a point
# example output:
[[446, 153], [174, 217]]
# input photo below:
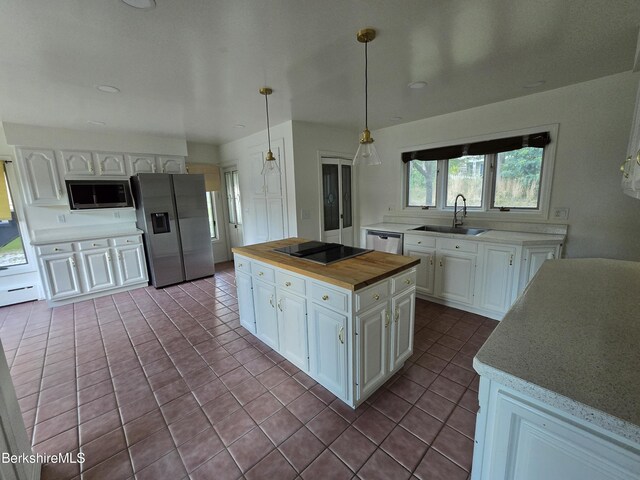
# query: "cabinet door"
[[455, 276], [403, 310], [61, 276], [261, 219], [264, 301], [275, 218], [498, 274], [426, 269], [328, 349], [372, 329], [78, 164], [98, 270], [132, 267], [141, 164], [111, 164], [171, 164], [245, 301], [292, 327], [41, 176], [533, 258]]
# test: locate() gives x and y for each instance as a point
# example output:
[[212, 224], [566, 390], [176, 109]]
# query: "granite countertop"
[[572, 341], [353, 273], [491, 235]]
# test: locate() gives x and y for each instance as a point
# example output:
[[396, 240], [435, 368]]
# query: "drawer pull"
[[376, 296], [240, 265], [419, 243], [457, 246], [271, 302], [325, 297], [260, 274], [57, 249], [94, 244], [280, 305], [341, 335], [408, 281], [129, 241], [287, 284]]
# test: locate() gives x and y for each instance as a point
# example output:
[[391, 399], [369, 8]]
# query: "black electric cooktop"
[[321, 252]]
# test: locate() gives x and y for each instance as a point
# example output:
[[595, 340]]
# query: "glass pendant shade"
[[270, 166], [367, 153]]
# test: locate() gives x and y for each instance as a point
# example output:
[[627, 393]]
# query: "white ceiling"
[[193, 67]]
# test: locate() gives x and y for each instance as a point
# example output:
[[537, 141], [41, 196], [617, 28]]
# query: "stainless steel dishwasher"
[[390, 242]]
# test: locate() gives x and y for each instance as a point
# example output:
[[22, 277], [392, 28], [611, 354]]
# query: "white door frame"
[[225, 169], [341, 157]]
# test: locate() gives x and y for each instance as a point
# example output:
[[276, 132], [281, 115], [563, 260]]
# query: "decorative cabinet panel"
[[111, 164], [43, 186], [92, 267], [455, 276], [141, 164], [342, 339], [496, 277], [77, 164], [171, 165]]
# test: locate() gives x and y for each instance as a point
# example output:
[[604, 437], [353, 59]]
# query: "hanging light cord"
[[366, 88], [266, 101]]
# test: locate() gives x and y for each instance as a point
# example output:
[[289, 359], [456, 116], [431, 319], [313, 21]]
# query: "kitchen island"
[[349, 325], [559, 379]]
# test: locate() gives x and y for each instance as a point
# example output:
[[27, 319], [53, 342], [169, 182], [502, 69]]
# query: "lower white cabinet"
[[455, 275], [90, 268], [497, 277], [349, 342], [532, 260], [520, 438], [328, 349]]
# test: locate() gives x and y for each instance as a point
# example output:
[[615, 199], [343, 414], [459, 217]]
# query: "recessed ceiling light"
[[539, 83], [108, 88], [96, 122], [141, 4], [239, 125], [418, 84]]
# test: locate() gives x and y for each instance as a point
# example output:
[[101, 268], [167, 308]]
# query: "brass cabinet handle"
[[73, 262], [511, 260], [57, 249], [623, 167], [431, 261], [240, 264], [386, 323], [341, 335], [408, 281], [260, 274], [457, 246], [638, 157], [441, 263], [419, 242], [271, 301], [376, 296], [287, 284], [280, 305], [325, 297], [397, 315]]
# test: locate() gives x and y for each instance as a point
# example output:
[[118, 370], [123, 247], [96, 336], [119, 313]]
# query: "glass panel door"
[[337, 202]]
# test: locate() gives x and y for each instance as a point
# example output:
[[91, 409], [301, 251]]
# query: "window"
[[233, 196], [211, 209], [505, 174]]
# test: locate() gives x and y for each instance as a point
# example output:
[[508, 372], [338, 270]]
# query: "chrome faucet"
[[456, 222]]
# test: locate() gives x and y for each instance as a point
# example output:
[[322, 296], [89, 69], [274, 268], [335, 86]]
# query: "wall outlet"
[[560, 213], [62, 219]]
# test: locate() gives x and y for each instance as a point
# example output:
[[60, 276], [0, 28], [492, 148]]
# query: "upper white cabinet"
[[43, 186], [631, 166], [141, 164], [111, 164], [171, 165], [77, 163], [88, 164]]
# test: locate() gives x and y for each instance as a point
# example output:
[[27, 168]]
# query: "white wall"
[[594, 122], [208, 153], [309, 139]]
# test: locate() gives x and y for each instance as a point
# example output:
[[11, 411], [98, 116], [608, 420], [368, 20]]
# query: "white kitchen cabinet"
[[402, 327], [89, 164], [496, 277], [42, 180], [171, 164], [292, 328], [425, 277], [76, 163], [60, 272], [631, 165], [328, 349], [141, 164], [90, 268], [455, 276], [520, 438], [111, 165], [99, 273], [533, 258], [245, 300], [264, 301], [372, 331]]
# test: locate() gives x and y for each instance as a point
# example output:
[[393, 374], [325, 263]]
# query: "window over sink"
[[497, 174]]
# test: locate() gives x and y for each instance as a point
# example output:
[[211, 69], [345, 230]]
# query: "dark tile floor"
[[165, 384]]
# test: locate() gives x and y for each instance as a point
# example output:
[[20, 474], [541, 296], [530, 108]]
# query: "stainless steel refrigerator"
[[172, 211]]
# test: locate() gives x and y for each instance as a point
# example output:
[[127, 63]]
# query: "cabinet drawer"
[[457, 245], [419, 240], [290, 282], [55, 248], [242, 264], [263, 272], [324, 295], [89, 244], [130, 240], [403, 281], [370, 296]]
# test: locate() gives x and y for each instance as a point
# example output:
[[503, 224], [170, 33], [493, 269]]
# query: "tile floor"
[[165, 384]]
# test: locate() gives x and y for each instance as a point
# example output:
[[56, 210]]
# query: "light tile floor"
[[166, 384]]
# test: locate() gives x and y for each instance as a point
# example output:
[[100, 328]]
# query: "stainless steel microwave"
[[88, 194]]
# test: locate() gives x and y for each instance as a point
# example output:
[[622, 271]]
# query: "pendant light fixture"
[[270, 163], [366, 154]]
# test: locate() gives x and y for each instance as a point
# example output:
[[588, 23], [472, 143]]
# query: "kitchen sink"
[[443, 229]]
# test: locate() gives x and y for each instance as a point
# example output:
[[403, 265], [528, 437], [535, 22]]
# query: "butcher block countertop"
[[572, 341], [353, 273]]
